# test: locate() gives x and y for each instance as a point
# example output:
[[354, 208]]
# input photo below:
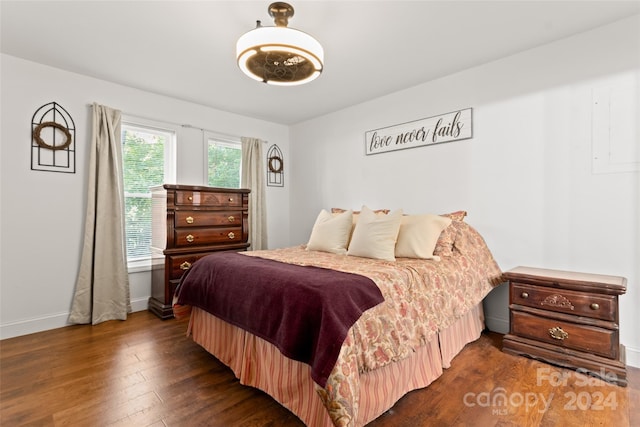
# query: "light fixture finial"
[[281, 12], [280, 55]]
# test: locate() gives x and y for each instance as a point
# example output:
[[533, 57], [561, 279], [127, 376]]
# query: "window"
[[223, 163], [148, 159]]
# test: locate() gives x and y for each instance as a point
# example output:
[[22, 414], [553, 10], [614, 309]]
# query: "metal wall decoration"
[[53, 142], [275, 167]]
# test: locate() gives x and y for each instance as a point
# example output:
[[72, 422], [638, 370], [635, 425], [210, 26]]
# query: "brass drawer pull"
[[594, 306], [231, 235], [558, 334], [190, 198], [230, 199], [524, 295], [231, 218], [185, 265], [190, 238], [189, 220]]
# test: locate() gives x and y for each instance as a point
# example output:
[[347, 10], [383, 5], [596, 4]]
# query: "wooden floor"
[[145, 372]]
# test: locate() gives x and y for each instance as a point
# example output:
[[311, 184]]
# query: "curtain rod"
[[183, 125]]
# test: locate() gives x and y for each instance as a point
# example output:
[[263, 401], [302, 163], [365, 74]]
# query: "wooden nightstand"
[[567, 319]]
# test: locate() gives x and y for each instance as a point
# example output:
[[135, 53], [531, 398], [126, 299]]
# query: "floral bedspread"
[[422, 297]]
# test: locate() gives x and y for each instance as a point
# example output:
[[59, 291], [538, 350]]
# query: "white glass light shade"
[[280, 55]]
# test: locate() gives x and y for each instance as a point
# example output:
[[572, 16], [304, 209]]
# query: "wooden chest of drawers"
[[567, 319], [188, 223]]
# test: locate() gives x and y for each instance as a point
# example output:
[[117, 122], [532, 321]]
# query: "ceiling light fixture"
[[280, 55]]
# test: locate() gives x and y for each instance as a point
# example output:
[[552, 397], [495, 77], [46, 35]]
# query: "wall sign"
[[447, 127]]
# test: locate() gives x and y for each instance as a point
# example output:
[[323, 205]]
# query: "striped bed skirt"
[[259, 364]]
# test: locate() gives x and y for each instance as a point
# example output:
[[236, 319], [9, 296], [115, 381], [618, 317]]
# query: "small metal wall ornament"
[[275, 167], [53, 142]]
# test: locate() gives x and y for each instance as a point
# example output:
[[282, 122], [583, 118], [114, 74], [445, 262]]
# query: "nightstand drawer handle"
[[189, 238], [185, 265], [231, 218], [524, 295], [557, 333], [230, 199], [594, 306], [189, 220], [231, 235], [190, 198]]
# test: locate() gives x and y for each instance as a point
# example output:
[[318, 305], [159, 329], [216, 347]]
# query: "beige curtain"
[[102, 286], [253, 178]]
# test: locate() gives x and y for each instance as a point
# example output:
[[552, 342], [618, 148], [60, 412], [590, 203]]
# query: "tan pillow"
[[375, 236], [330, 233], [356, 215], [419, 234]]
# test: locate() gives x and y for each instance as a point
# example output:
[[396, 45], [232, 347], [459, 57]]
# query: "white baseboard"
[[30, 326], [53, 321], [139, 304], [632, 356]]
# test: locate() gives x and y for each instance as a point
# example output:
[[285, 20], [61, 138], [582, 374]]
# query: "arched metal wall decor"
[[275, 167], [53, 142]]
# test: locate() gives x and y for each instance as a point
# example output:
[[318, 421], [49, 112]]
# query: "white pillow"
[[375, 236], [419, 234], [330, 233]]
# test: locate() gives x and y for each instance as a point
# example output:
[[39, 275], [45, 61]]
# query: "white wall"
[[525, 177], [43, 212]]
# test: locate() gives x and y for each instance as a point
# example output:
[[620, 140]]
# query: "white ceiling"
[[185, 49]]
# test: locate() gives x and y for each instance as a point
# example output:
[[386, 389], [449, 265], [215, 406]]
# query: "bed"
[[402, 331]]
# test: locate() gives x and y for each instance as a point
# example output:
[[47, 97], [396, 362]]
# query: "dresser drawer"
[[591, 339], [565, 301], [207, 218], [207, 198], [186, 237], [178, 264]]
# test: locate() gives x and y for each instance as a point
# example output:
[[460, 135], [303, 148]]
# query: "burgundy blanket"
[[304, 311]]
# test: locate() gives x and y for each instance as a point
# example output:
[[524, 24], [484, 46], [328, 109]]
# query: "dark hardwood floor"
[[146, 372]]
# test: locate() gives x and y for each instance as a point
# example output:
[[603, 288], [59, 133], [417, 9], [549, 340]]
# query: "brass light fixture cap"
[[281, 12]]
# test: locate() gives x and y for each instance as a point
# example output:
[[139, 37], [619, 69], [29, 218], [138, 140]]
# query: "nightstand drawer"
[[564, 301], [591, 339]]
